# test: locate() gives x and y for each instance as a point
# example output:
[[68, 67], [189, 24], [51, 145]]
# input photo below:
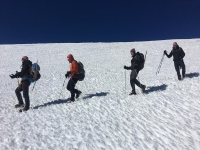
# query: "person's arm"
[[170, 54]]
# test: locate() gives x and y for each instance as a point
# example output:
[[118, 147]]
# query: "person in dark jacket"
[[178, 55], [136, 62], [24, 85], [73, 74]]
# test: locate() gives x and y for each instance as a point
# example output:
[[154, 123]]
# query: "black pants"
[[71, 87], [177, 65], [133, 80], [25, 88]]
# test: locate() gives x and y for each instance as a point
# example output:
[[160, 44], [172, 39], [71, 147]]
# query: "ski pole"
[[62, 87], [158, 70]]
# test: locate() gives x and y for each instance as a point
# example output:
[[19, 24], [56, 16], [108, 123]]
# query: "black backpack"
[[81, 71], [142, 61]]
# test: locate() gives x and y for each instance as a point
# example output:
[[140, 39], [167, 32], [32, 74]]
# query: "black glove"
[[12, 76], [67, 74], [165, 52], [125, 67]]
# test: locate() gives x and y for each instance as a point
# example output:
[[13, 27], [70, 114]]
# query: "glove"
[[165, 52], [125, 67], [12, 76], [67, 74]]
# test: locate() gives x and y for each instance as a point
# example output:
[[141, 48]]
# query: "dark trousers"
[[133, 80], [177, 65], [25, 88], [71, 87]]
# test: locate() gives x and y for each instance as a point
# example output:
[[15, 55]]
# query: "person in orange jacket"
[[73, 74]]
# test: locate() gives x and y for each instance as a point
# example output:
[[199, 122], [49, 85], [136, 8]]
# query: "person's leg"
[[25, 88], [176, 65], [19, 96], [182, 64], [132, 79], [72, 84]]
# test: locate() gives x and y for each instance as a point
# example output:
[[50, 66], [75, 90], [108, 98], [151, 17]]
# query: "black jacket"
[[25, 71], [177, 53], [135, 62]]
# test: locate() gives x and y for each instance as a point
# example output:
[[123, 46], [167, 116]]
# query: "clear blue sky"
[[56, 21]]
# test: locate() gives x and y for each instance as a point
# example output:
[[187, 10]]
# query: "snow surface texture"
[[166, 117]]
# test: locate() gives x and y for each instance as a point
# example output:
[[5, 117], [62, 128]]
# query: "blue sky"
[[63, 21]]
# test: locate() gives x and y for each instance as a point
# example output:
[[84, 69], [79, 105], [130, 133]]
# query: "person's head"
[[132, 51], [70, 58], [175, 45], [24, 58]]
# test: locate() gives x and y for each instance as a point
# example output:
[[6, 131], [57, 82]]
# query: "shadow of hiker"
[[155, 88], [97, 94], [191, 75], [59, 101]]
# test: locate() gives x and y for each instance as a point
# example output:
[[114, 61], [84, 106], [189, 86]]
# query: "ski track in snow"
[[165, 117]]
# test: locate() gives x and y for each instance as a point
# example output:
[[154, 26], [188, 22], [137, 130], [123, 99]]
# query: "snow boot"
[[78, 94], [72, 101], [132, 93], [143, 88], [19, 105], [23, 109]]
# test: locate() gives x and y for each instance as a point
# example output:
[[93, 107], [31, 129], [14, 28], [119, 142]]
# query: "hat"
[[133, 50]]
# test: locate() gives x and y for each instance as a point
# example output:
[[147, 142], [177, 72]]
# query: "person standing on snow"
[[178, 55], [136, 65], [24, 85], [73, 74]]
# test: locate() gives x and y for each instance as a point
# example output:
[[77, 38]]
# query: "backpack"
[[34, 73], [142, 61], [81, 71]]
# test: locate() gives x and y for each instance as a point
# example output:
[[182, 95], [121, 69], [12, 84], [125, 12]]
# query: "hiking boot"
[[143, 88], [71, 101], [23, 109], [132, 93], [78, 94], [19, 105], [183, 76]]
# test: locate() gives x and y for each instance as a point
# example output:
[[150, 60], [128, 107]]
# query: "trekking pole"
[[62, 87], [145, 56], [158, 70], [125, 80]]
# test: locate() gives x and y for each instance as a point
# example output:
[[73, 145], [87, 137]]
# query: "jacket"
[[178, 54]]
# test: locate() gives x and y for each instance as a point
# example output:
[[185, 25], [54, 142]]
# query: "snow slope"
[[167, 117]]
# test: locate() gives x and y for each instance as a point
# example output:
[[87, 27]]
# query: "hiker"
[[23, 85], [73, 74], [137, 63], [178, 55]]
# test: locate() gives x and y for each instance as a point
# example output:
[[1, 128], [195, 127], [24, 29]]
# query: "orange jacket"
[[73, 66]]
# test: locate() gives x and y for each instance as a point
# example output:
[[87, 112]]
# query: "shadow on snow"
[[156, 88], [191, 75], [97, 94], [59, 101]]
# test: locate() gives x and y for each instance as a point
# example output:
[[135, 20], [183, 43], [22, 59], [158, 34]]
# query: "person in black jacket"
[[24, 85], [178, 55], [136, 62]]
